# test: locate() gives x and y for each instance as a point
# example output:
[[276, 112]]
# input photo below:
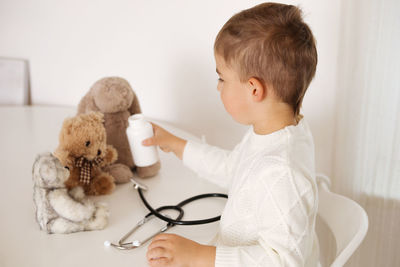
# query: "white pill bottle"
[[138, 130]]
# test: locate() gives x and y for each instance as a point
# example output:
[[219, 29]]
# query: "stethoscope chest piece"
[[137, 243]]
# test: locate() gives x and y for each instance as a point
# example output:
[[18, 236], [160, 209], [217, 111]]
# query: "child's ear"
[[257, 88]]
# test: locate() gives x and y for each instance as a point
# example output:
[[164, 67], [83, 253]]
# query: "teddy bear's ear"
[[44, 170], [96, 116], [67, 127], [36, 164]]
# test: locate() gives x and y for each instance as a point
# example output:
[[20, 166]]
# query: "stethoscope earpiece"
[[137, 185]]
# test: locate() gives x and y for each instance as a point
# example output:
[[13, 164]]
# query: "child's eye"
[[220, 80]]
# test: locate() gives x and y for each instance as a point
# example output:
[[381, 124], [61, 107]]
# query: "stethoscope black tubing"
[[186, 201], [171, 207]]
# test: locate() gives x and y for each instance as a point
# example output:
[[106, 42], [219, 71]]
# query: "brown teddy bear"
[[84, 151], [114, 97]]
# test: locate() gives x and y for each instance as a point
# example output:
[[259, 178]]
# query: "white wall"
[[367, 153], [164, 49]]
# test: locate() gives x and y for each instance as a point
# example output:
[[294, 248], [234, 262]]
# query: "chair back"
[[346, 219]]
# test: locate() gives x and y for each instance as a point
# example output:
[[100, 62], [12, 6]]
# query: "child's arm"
[[283, 205], [69, 208], [174, 250], [166, 141], [207, 161]]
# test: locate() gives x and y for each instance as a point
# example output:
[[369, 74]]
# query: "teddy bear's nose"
[[98, 152]]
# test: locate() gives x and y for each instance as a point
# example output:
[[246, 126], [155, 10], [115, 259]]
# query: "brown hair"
[[271, 42]]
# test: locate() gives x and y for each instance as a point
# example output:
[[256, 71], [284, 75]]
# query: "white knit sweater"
[[269, 217]]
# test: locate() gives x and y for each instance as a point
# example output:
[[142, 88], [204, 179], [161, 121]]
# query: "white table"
[[27, 131]]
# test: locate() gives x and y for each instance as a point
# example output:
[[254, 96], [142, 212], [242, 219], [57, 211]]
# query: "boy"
[[266, 58]]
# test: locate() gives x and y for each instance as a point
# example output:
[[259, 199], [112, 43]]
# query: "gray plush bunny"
[[60, 211]]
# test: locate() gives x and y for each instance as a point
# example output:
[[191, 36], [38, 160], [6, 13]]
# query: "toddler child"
[[266, 58]]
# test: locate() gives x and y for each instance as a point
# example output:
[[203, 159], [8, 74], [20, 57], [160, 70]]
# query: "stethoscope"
[[157, 213]]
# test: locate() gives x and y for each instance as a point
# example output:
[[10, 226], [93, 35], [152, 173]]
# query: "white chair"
[[346, 219]]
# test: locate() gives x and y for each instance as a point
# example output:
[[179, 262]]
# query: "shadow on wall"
[[318, 113], [384, 220], [198, 106]]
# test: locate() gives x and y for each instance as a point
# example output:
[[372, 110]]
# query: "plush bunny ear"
[[135, 106], [87, 104]]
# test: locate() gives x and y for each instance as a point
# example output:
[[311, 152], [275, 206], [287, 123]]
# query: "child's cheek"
[[225, 101]]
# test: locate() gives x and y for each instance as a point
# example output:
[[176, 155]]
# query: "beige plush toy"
[[114, 97], [84, 151], [58, 210]]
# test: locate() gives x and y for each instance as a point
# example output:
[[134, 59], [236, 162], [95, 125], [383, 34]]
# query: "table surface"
[[28, 131]]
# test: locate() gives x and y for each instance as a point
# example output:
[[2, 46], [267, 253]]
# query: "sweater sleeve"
[[209, 162], [284, 214]]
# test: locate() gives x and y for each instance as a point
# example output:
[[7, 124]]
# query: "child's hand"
[[174, 250], [166, 141]]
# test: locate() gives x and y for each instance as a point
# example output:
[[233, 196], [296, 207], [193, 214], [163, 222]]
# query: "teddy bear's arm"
[[68, 208], [111, 155], [77, 193]]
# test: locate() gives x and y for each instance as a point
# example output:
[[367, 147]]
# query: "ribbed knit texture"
[[269, 218]]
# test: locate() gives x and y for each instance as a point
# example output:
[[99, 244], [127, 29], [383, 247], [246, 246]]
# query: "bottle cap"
[[137, 121]]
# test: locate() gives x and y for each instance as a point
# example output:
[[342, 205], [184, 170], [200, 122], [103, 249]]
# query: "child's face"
[[233, 92]]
